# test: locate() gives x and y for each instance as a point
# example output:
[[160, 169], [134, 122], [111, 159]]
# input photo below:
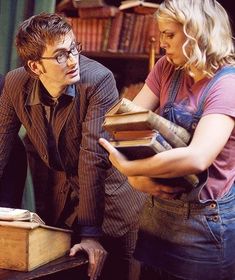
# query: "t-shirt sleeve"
[[153, 80], [221, 99]]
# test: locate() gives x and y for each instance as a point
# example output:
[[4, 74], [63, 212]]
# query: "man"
[[14, 175], [61, 97]]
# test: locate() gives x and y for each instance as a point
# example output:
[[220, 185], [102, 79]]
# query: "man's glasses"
[[63, 56]]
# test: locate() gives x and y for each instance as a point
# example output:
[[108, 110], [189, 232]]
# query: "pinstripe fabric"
[[77, 129]]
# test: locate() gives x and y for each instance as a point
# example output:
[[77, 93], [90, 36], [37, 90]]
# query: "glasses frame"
[[78, 46]]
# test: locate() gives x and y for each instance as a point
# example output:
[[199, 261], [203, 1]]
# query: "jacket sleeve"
[[93, 159]]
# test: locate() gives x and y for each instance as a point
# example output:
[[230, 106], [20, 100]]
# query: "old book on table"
[[27, 245], [14, 214]]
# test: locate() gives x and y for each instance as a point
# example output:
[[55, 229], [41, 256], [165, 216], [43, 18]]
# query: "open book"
[[134, 3], [13, 214]]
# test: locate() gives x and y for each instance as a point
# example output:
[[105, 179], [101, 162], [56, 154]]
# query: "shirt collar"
[[35, 97]]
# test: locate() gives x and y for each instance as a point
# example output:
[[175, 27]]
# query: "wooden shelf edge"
[[117, 55]]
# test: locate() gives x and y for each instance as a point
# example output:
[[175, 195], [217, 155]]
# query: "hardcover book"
[[27, 245], [14, 214], [139, 144], [134, 3], [125, 115]]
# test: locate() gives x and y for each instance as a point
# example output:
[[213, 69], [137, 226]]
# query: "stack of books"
[[139, 133]]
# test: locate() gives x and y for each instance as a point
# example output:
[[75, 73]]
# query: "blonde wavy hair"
[[209, 43]]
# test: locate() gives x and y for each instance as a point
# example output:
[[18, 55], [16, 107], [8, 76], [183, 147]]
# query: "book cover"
[[124, 112], [14, 214], [28, 245], [88, 3], [131, 4], [98, 12], [139, 144], [115, 31], [105, 34]]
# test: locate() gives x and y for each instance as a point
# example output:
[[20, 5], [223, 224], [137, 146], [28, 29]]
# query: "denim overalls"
[[189, 238]]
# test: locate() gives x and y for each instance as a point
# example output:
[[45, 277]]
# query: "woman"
[[189, 234]]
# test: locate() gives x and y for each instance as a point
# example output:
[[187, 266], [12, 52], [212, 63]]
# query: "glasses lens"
[[63, 57]]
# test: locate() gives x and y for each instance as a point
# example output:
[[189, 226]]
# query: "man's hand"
[[96, 254], [148, 185]]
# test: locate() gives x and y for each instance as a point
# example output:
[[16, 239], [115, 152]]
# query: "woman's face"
[[172, 39]]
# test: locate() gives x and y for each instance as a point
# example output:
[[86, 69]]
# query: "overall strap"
[[173, 90], [175, 85]]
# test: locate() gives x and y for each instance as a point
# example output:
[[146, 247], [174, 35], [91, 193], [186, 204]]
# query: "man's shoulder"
[[92, 68], [17, 76]]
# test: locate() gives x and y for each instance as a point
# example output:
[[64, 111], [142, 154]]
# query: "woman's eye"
[[170, 35]]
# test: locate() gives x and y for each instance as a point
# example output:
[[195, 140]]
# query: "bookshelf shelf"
[[126, 56]]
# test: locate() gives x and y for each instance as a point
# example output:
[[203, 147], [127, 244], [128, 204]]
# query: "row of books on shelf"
[[123, 33]]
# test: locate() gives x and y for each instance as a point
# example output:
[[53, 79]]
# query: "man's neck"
[[54, 91]]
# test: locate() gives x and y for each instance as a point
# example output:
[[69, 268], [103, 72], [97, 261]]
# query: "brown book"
[[144, 10], [136, 36], [136, 145], [105, 33], [88, 3], [125, 115], [28, 245], [126, 32], [132, 4], [98, 12], [114, 33]]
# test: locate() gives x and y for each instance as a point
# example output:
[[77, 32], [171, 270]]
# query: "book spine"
[[98, 12], [163, 142], [106, 31], [176, 135], [179, 135], [115, 31]]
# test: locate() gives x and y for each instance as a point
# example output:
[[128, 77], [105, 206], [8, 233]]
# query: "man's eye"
[[60, 55]]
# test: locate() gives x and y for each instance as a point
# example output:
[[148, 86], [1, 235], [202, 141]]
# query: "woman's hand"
[[155, 188], [117, 159]]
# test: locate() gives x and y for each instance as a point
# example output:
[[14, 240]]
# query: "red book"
[[98, 12], [115, 31]]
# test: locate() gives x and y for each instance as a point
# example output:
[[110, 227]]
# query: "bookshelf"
[[119, 39]]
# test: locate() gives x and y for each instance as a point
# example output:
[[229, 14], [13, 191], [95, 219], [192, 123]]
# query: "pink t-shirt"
[[220, 100]]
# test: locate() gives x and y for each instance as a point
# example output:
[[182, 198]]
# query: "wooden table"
[[64, 268]]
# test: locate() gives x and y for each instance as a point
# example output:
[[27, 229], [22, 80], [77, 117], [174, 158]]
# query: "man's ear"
[[35, 67]]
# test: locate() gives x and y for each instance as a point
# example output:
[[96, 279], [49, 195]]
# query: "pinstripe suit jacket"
[[77, 129]]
